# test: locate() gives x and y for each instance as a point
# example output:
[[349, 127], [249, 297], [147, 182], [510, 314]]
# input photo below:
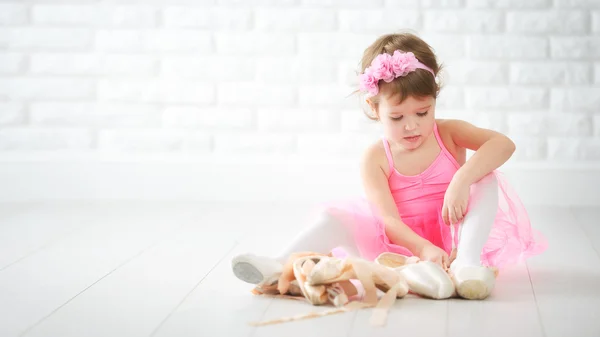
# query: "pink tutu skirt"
[[511, 239]]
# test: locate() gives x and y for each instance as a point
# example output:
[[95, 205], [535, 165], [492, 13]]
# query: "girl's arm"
[[492, 149], [375, 183]]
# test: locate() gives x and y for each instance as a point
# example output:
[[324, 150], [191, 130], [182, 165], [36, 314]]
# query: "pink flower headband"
[[388, 67]]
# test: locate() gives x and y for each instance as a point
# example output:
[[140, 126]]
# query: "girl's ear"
[[373, 108]]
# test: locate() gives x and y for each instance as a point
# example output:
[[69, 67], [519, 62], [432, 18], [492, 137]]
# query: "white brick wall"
[[272, 77]]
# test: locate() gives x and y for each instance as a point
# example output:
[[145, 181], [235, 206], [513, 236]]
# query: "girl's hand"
[[456, 200], [433, 253]]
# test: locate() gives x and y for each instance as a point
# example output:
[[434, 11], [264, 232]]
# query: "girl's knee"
[[486, 186]]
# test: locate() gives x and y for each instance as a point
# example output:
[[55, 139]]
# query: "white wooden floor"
[[162, 269]]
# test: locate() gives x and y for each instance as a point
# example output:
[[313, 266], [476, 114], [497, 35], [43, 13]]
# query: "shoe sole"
[[473, 290], [475, 285], [247, 273]]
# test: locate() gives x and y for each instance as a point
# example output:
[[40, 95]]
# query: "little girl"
[[418, 183]]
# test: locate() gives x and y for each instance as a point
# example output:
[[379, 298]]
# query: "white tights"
[[327, 232]]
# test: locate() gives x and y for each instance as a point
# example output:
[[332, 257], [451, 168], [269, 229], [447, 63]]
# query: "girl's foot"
[[473, 282], [255, 269]]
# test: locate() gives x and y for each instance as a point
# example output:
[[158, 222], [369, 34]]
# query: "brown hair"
[[418, 83]]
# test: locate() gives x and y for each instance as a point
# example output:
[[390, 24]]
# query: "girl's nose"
[[410, 126]]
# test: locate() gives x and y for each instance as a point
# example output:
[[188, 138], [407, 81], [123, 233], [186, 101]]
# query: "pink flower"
[[368, 82], [403, 63], [382, 67]]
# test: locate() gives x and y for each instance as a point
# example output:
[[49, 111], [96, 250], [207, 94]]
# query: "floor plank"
[[21, 233], [133, 300], [33, 288], [588, 218], [565, 278]]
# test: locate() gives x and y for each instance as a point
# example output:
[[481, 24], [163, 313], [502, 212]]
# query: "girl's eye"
[[396, 118], [422, 114]]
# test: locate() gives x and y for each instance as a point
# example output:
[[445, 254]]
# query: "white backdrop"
[[230, 100]]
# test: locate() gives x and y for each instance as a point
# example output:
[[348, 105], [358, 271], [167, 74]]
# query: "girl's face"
[[409, 123]]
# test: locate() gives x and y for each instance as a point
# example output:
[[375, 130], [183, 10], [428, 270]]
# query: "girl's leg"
[[323, 234], [471, 279], [477, 224]]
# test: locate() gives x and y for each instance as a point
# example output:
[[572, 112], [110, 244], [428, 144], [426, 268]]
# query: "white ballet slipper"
[[473, 282], [255, 269], [424, 278]]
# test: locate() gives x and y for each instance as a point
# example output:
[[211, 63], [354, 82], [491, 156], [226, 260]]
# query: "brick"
[[442, 4], [339, 145], [447, 46], [547, 124], [597, 73], [355, 120], [343, 3], [208, 18], [255, 94], [329, 45], [507, 98], [463, 21], [550, 73], [296, 19], [234, 43], [119, 40], [579, 99], [529, 148], [178, 40], [46, 88], [298, 70], [324, 95], [253, 3], [192, 117], [28, 139], [573, 149], [596, 22], [221, 68], [378, 21], [254, 143], [555, 22], [47, 38], [13, 14], [406, 4], [149, 140], [512, 4], [597, 125], [156, 91], [94, 114], [290, 120], [575, 47], [507, 47], [94, 15], [451, 98], [579, 4], [348, 73], [475, 72], [490, 120], [11, 113], [11, 63], [93, 64]]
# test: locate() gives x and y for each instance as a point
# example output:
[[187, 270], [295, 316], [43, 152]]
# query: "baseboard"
[[238, 179]]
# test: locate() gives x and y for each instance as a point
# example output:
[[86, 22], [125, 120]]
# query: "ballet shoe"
[[424, 278], [473, 282], [256, 269], [371, 275]]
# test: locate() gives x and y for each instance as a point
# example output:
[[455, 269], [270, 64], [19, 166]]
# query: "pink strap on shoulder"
[[388, 154]]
